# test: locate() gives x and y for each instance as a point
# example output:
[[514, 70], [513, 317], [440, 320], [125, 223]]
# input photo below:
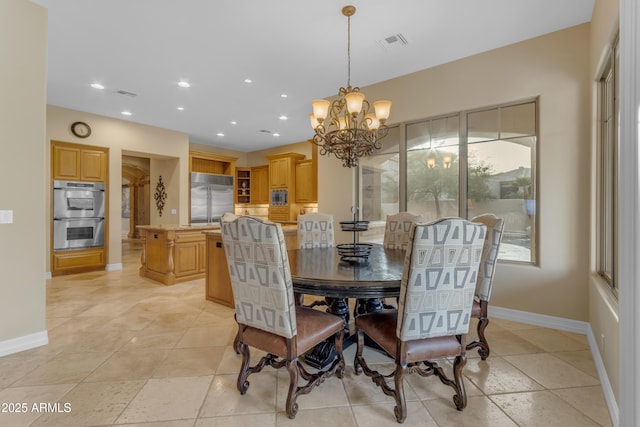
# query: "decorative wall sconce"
[[160, 195]]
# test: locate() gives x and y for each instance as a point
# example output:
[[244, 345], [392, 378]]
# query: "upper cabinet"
[[243, 185], [282, 170], [75, 162], [260, 184], [211, 163], [306, 182]]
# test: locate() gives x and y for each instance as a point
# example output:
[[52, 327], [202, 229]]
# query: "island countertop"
[[177, 227]]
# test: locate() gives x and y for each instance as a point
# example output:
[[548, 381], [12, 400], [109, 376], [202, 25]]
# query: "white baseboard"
[[23, 343], [113, 267], [567, 325]]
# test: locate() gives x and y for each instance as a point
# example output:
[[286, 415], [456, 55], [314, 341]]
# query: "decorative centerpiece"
[[354, 252]]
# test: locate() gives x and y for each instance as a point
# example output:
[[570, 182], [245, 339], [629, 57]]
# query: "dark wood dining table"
[[321, 272]]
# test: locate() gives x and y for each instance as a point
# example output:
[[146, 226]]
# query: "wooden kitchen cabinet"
[[306, 182], [282, 170], [260, 184], [211, 163], [243, 185], [173, 254], [76, 261], [218, 283], [75, 162]]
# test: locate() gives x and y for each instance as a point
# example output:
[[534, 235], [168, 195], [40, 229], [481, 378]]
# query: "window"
[[487, 155], [608, 167]]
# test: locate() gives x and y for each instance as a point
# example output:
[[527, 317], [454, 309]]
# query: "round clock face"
[[81, 129]]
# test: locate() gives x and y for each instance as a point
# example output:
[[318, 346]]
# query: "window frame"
[[608, 167]]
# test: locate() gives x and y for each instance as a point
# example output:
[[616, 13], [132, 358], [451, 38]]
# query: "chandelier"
[[351, 129]]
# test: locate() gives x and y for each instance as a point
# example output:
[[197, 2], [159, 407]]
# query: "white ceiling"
[[295, 47]]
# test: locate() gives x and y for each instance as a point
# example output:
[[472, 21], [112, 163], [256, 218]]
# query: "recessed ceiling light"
[[248, 80], [283, 95], [276, 134], [220, 134], [234, 122], [126, 113], [181, 108], [97, 86], [283, 117], [184, 84]]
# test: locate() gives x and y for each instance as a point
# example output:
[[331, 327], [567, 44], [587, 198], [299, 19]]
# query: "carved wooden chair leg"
[[460, 398], [400, 410], [292, 406], [484, 350], [245, 370]]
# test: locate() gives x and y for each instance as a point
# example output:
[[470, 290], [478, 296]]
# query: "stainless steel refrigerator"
[[211, 197]]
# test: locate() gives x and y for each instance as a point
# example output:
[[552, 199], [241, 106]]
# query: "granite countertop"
[[176, 227], [286, 228]]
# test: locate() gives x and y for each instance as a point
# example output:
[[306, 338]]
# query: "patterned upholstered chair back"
[[495, 227], [260, 276], [315, 230], [397, 228], [439, 280]]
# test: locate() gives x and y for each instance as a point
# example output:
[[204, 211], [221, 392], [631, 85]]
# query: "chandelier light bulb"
[[354, 102], [320, 109], [383, 109], [372, 121]]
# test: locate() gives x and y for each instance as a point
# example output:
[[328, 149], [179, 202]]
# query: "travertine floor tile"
[[167, 399], [182, 362], [132, 365], [338, 417], [330, 393], [551, 372], [258, 420], [588, 400], [18, 402], [480, 412], [579, 359], [551, 341], [93, 404], [495, 376], [541, 408], [224, 398], [503, 343], [382, 415], [64, 368], [208, 336]]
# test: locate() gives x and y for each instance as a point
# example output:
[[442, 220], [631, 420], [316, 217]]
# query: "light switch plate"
[[173, 211], [6, 217]]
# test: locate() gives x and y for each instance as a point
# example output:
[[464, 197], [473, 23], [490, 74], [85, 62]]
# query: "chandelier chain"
[[349, 51]]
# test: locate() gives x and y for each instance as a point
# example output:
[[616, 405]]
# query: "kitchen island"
[[174, 253], [218, 283]]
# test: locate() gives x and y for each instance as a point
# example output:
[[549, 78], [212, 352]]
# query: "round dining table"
[[321, 272]]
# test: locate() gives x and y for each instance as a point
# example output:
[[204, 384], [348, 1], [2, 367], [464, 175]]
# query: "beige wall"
[[167, 149], [603, 306], [23, 51], [554, 68]]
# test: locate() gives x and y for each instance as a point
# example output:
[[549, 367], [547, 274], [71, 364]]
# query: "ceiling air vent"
[[126, 93], [393, 42], [264, 131]]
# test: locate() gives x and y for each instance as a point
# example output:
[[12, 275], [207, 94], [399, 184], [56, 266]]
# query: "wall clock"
[[81, 129]]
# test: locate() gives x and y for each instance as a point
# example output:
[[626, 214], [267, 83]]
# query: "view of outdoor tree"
[[440, 182]]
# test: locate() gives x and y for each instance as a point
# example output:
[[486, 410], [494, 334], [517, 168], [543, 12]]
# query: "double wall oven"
[[78, 215]]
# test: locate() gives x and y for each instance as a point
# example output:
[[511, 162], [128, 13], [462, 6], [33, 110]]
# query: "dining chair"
[[315, 230], [267, 316], [396, 229], [495, 228], [432, 318]]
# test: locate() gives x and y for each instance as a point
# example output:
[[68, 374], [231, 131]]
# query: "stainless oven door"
[[78, 233], [86, 200]]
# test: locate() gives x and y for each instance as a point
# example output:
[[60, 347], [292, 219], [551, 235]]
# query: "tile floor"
[[126, 351]]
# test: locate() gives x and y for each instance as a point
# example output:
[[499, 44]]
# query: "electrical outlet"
[[174, 211]]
